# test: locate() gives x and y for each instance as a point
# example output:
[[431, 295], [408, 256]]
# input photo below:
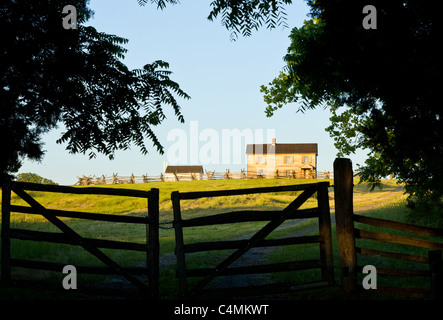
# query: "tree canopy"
[[50, 76], [380, 84], [33, 177], [241, 17]]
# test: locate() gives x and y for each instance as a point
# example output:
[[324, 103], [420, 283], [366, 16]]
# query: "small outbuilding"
[[177, 173]]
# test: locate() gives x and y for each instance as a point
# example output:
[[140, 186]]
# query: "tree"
[[50, 76], [34, 178], [380, 84]]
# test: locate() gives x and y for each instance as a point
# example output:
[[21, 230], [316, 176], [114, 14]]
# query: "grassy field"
[[386, 203]]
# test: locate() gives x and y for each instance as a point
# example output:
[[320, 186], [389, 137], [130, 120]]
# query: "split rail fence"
[[240, 247], [350, 230], [208, 175], [71, 237]]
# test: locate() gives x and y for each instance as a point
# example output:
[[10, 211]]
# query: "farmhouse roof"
[[282, 148], [184, 169]]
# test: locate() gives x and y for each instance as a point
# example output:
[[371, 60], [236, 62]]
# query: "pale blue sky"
[[222, 77]]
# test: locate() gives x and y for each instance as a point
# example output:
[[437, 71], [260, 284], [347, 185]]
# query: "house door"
[[306, 170]]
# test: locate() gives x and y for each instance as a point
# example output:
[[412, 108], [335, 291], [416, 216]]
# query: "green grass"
[[66, 254], [386, 203], [392, 208]]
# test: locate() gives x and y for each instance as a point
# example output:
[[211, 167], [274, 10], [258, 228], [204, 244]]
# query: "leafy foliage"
[[50, 76], [241, 16], [244, 16], [161, 4], [379, 84]]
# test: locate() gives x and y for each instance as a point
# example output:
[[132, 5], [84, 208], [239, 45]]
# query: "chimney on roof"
[[273, 141]]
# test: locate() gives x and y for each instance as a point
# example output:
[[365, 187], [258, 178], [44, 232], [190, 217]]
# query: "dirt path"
[[377, 200]]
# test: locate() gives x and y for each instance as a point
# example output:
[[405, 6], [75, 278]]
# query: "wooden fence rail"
[[349, 228], [71, 237], [347, 233], [274, 218]]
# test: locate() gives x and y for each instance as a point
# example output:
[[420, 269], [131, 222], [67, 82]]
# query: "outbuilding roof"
[[184, 169]]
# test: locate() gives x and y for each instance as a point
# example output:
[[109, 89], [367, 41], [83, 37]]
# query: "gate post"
[[6, 233], [325, 232], [436, 273], [179, 250], [343, 189], [153, 245]]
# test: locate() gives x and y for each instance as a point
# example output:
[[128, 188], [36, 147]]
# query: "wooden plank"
[[324, 224], [236, 244], [6, 234], [57, 237], [399, 272], [86, 290], [58, 267], [77, 238], [153, 243], [408, 293], [258, 290], [392, 238], [268, 268], [81, 190], [394, 255], [179, 249], [83, 215], [247, 216], [233, 192], [259, 236], [436, 273], [383, 223]]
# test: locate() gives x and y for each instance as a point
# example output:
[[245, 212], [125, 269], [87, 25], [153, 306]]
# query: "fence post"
[[343, 189], [436, 273], [153, 253], [325, 232], [179, 249], [6, 234]]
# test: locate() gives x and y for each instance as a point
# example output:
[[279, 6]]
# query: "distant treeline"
[[34, 178]]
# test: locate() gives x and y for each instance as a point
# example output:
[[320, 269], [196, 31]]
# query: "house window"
[[261, 160], [305, 159], [288, 159]]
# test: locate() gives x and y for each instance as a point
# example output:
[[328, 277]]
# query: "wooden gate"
[[275, 218], [69, 236]]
